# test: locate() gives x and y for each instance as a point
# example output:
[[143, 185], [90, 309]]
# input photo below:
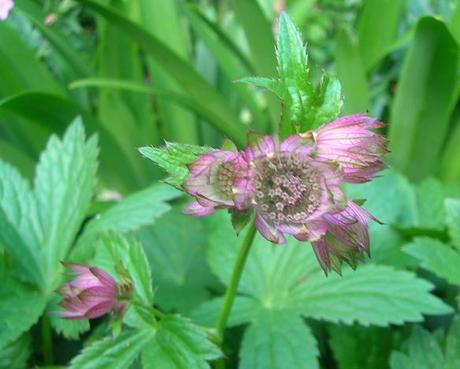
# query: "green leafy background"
[[86, 85]]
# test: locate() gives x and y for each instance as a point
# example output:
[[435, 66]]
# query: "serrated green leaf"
[[175, 248], [390, 197], [430, 205], [269, 84], [278, 341], [20, 308], [113, 353], [64, 185], [436, 257], [20, 231], [347, 343], [114, 250], [133, 212], [16, 354], [453, 220], [422, 352], [452, 353], [179, 344], [173, 158], [372, 294]]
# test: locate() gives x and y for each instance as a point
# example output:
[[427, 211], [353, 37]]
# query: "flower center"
[[224, 177], [288, 188]]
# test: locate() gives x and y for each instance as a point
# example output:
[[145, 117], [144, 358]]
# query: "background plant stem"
[[47, 341]]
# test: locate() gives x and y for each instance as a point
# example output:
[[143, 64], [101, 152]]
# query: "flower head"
[[90, 295], [294, 186], [218, 179], [350, 142], [5, 7]]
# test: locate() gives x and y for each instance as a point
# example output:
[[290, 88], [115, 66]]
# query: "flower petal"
[[268, 231], [198, 210]]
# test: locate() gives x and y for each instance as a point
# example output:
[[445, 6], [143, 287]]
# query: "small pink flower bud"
[[5, 7], [90, 295]]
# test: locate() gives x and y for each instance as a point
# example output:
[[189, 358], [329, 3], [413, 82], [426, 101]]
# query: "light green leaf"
[[244, 310], [347, 343], [133, 212], [113, 353], [16, 354], [417, 135], [453, 220], [201, 92], [352, 75], [20, 230], [437, 257], [179, 344], [430, 205], [422, 352], [114, 250], [175, 248], [377, 29], [452, 353], [377, 295], [278, 341], [64, 185], [20, 308], [174, 158]]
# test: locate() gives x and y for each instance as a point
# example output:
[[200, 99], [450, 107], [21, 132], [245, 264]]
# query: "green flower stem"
[[47, 341], [235, 279]]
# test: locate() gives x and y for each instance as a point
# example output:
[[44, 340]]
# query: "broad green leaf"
[[19, 67], [244, 310], [113, 353], [389, 197], [163, 20], [422, 351], [377, 295], [16, 354], [48, 113], [20, 230], [64, 186], [179, 344], [288, 277], [453, 220], [450, 169], [175, 248], [278, 341], [437, 257], [229, 57], [347, 343], [423, 102], [133, 212], [352, 75], [271, 271], [20, 308], [174, 158], [114, 250], [387, 247], [430, 205], [377, 28], [69, 54], [452, 353], [201, 92]]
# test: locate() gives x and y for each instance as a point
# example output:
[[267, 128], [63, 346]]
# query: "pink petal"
[[197, 210], [268, 231]]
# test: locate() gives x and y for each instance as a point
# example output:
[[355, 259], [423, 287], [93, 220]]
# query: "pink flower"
[[90, 295], [350, 142], [218, 179], [294, 186], [5, 7], [299, 194]]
